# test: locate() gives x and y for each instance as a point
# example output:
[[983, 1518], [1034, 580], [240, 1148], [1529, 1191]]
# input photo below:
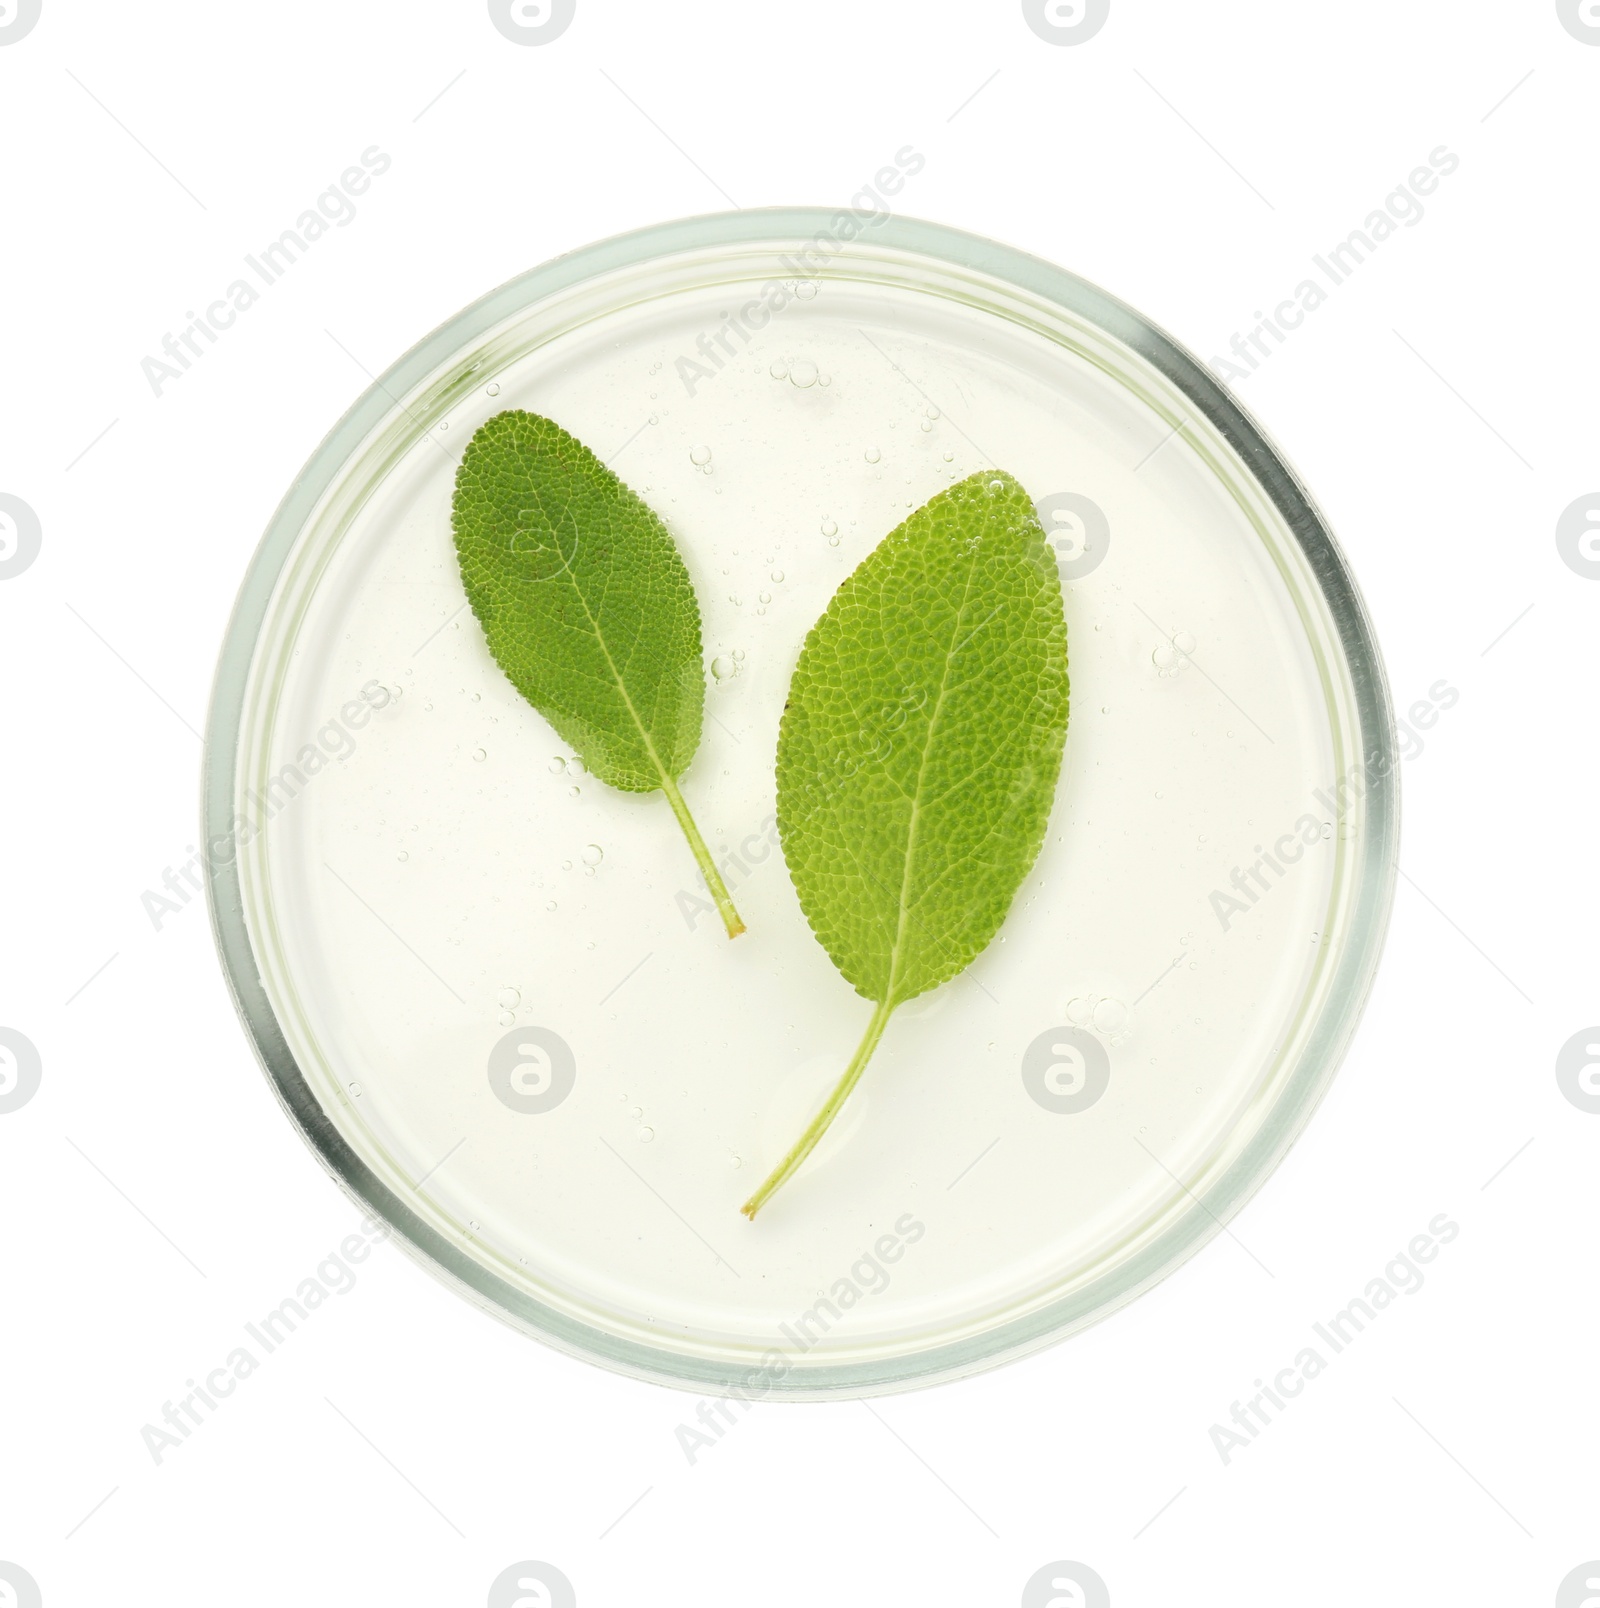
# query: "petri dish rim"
[[1369, 879]]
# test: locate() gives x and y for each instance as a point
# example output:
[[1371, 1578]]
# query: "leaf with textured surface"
[[588, 608], [920, 749]]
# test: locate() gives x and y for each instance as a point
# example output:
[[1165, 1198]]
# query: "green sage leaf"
[[920, 749], [587, 607]]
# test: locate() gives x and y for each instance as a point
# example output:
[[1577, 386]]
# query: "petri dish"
[[490, 990]]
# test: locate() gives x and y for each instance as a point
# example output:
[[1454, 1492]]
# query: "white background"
[[404, 1448]]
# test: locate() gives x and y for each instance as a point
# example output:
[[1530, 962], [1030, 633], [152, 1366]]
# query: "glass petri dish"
[[490, 990]]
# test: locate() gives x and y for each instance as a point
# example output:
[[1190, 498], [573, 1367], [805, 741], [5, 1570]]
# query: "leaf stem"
[[731, 919], [807, 1142]]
